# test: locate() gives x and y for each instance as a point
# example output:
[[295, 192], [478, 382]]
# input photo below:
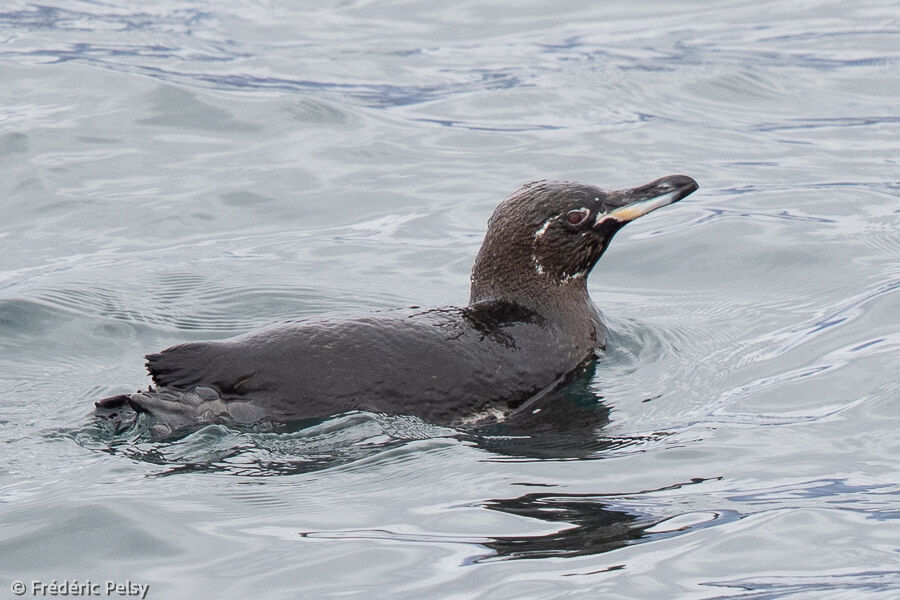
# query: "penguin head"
[[550, 234]]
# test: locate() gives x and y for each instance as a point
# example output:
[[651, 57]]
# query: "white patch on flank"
[[490, 414]]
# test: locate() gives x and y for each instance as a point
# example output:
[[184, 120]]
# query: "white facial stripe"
[[538, 267], [638, 209], [540, 232]]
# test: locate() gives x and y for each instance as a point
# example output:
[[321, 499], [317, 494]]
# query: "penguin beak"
[[639, 201]]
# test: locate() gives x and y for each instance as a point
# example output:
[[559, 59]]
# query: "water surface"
[[194, 170]]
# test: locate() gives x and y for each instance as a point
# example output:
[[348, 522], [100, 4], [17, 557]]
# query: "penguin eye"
[[574, 217]]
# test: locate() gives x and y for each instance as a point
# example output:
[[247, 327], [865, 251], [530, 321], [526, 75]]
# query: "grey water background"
[[186, 170]]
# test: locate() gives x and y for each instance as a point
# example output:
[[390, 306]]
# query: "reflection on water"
[[583, 525], [566, 423], [592, 527]]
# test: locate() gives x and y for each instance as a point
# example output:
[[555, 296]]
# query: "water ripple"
[[53, 18], [300, 448], [821, 586], [781, 342], [163, 164]]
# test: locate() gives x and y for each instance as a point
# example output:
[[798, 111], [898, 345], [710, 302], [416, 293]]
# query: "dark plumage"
[[529, 324]]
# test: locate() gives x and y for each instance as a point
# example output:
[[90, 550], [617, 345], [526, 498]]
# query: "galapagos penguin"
[[529, 324]]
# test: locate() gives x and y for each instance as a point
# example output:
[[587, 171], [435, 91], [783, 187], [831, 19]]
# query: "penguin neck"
[[567, 299]]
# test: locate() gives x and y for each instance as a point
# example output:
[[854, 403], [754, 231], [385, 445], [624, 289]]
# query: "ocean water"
[[185, 170]]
